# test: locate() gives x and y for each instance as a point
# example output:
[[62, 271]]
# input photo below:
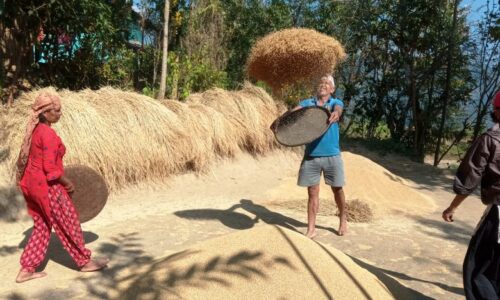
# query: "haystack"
[[379, 192], [129, 137], [267, 262], [358, 211], [383, 190], [250, 112], [292, 56]]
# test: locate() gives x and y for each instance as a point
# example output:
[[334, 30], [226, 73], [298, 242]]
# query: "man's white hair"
[[330, 79]]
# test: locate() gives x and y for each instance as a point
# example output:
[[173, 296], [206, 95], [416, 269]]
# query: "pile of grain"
[[267, 262]]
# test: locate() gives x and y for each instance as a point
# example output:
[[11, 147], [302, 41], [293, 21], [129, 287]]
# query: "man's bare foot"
[[343, 227], [95, 265], [25, 276], [311, 234]]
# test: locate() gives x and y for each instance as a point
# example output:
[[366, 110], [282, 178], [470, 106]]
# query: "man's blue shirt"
[[328, 143]]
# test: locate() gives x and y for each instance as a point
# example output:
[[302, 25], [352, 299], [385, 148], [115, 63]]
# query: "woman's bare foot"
[[95, 265], [25, 276], [343, 226], [311, 234]]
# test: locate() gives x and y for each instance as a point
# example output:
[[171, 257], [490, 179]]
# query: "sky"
[[477, 8]]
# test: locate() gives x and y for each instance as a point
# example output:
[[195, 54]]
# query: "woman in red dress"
[[46, 189]]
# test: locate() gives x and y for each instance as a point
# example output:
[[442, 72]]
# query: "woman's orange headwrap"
[[44, 102]]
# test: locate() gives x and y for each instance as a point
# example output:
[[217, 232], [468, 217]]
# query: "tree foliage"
[[73, 38], [417, 72]]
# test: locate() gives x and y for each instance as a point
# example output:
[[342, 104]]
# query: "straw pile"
[[128, 137], [250, 112], [11, 201], [379, 191], [384, 191], [358, 211], [292, 56], [266, 262]]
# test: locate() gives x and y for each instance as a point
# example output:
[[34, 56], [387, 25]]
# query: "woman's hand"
[[448, 214], [70, 188], [68, 185]]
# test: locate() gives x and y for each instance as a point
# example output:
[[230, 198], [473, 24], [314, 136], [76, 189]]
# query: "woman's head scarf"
[[43, 102]]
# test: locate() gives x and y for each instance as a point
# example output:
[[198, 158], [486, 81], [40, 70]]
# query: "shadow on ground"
[[458, 231], [397, 289], [126, 253], [161, 279], [12, 204], [55, 251], [236, 220], [134, 275], [427, 176]]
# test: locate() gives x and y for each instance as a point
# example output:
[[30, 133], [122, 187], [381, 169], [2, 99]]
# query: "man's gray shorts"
[[331, 166]]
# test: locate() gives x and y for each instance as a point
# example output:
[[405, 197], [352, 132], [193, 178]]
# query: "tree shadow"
[[318, 280], [393, 178], [12, 204], [426, 176], [16, 296], [163, 279], [131, 268], [236, 220], [47, 294], [458, 231], [56, 251], [398, 290], [125, 252]]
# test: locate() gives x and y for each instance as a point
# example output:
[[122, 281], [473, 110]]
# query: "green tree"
[[395, 68], [246, 22], [71, 33], [485, 64]]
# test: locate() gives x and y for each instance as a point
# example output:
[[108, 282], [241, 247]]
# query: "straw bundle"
[[250, 112], [292, 56], [196, 130], [218, 130], [358, 211], [128, 137], [125, 136]]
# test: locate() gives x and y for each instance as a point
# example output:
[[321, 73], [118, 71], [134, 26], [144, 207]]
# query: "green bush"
[[118, 69], [192, 74]]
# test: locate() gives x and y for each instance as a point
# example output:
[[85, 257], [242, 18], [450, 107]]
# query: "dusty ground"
[[414, 253]]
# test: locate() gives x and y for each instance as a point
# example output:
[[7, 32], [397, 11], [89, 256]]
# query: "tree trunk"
[[14, 57], [416, 111], [156, 59], [446, 94], [163, 79], [345, 132], [479, 120], [135, 71], [401, 126]]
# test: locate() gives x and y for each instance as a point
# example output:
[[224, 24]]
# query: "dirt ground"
[[415, 254]]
